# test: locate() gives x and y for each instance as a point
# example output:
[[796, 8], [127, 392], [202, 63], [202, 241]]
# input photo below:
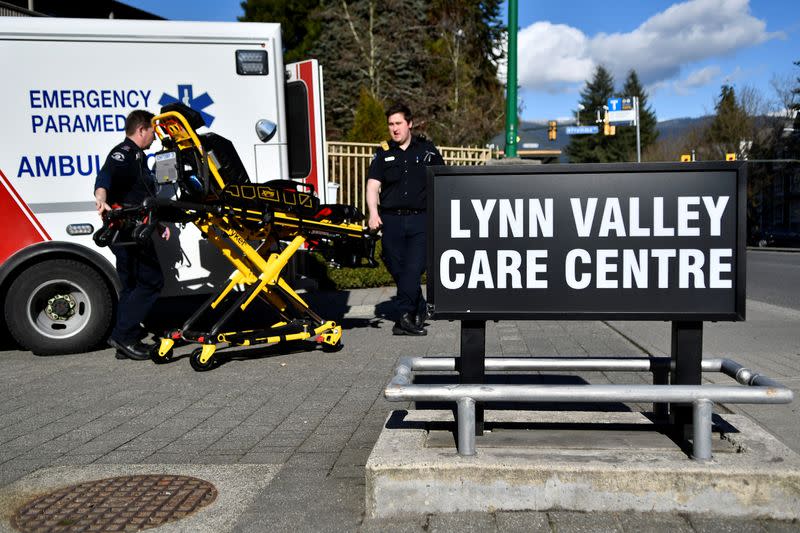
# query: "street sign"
[[582, 130], [621, 110]]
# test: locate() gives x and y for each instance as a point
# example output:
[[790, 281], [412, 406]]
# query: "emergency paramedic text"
[[92, 99]]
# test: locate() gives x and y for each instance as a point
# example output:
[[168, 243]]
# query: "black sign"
[[616, 241]]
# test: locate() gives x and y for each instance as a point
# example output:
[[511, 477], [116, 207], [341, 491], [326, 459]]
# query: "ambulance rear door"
[[305, 124]]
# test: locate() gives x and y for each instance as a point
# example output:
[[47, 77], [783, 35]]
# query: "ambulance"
[[68, 85]]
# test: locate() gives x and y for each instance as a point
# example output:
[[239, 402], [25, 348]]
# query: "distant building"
[[92, 9], [533, 143], [774, 207]]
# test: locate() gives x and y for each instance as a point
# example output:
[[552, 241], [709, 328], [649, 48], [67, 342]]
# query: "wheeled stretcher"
[[257, 227]]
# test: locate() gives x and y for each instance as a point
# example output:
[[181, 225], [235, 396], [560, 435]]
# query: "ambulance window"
[[297, 127]]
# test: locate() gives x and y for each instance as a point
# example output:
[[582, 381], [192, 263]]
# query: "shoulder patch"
[[384, 145], [118, 156]]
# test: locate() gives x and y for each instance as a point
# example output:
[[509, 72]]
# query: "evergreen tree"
[[730, 128], [594, 148], [369, 124], [648, 132], [299, 28]]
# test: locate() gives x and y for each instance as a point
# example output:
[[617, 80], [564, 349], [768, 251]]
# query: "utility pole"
[[511, 82]]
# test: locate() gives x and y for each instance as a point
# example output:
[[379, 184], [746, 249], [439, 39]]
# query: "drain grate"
[[127, 503]]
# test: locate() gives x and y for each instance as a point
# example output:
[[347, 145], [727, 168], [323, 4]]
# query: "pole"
[[686, 369], [638, 138], [511, 82], [471, 365]]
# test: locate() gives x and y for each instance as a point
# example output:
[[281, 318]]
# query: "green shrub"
[[330, 277], [333, 278]]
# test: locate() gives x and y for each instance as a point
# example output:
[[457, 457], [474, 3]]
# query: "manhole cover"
[[127, 503]]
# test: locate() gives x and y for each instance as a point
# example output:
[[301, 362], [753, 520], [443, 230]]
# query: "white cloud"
[[697, 78], [553, 57]]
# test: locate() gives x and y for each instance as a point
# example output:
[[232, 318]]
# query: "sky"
[[683, 51]]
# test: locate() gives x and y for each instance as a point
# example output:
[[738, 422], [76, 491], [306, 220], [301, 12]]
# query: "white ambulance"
[[68, 85]]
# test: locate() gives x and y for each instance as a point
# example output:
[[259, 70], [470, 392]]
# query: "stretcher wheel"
[[194, 360], [161, 359], [331, 348]]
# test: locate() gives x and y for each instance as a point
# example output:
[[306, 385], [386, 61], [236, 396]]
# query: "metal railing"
[[753, 388], [348, 163]]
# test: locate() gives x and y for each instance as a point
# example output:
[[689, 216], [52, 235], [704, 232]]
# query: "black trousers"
[[142, 281], [404, 252]]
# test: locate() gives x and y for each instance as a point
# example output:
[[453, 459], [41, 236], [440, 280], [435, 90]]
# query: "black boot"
[[423, 314], [137, 351], [407, 326]]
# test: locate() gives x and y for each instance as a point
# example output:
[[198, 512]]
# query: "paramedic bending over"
[[126, 180]]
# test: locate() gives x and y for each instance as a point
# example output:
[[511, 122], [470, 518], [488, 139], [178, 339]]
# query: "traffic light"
[[730, 157], [552, 130]]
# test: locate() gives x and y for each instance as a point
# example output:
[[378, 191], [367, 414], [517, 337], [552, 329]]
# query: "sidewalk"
[[309, 419]]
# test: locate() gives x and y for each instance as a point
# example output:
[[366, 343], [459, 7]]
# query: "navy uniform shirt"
[[402, 172], [125, 175]]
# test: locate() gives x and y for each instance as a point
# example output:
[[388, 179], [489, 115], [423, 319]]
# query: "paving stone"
[[522, 522], [413, 524], [462, 522], [780, 526], [717, 524], [584, 522], [655, 522]]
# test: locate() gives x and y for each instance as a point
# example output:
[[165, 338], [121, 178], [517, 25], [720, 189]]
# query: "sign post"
[[511, 82], [471, 364], [638, 138], [647, 241], [626, 110]]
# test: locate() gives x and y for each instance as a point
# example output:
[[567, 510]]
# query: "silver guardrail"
[[752, 388]]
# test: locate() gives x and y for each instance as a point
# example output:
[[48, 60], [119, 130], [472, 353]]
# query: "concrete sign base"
[[579, 461]]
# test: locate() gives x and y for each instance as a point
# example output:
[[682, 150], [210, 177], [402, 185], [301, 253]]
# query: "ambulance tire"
[[58, 306]]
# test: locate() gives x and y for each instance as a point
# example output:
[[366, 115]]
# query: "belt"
[[391, 211]]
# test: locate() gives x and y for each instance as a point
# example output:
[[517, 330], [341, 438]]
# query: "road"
[[774, 278]]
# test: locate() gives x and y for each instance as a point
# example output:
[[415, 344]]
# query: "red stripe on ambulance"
[[305, 72], [20, 226]]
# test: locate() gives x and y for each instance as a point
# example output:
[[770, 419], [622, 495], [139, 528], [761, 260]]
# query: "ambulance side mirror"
[[266, 129]]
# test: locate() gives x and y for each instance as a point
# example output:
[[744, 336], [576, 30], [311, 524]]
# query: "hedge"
[[332, 277]]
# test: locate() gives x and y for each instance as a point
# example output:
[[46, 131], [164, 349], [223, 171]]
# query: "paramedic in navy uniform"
[[125, 179], [396, 201]]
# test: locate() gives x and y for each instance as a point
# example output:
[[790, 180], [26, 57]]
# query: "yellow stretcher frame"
[[232, 229]]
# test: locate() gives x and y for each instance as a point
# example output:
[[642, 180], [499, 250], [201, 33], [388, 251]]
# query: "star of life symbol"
[[186, 97]]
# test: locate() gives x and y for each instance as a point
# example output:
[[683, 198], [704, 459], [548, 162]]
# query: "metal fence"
[[348, 163], [752, 388]]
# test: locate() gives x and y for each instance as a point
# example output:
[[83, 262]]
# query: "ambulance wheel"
[[332, 348], [194, 360], [58, 306], [161, 359]]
